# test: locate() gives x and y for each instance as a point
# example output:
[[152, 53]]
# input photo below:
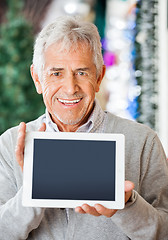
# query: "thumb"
[[129, 186]]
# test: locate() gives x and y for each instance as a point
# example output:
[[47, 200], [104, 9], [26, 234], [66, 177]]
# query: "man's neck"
[[67, 128], [71, 127]]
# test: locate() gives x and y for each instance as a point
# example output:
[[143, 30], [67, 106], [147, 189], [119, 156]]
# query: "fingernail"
[[97, 207]]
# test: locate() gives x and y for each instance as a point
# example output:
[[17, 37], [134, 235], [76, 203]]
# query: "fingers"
[[105, 211], [79, 210], [97, 210], [19, 150], [85, 208]]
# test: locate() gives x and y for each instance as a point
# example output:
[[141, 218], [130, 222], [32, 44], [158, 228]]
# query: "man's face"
[[68, 86]]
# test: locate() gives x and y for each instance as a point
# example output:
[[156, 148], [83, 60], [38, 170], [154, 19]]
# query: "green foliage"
[[18, 98]]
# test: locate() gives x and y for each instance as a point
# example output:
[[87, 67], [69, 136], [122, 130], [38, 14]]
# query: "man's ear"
[[100, 78], [36, 80]]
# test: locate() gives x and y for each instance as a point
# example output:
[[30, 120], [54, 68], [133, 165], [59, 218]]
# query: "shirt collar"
[[93, 122]]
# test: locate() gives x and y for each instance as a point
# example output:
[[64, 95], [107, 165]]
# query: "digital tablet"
[[66, 170]]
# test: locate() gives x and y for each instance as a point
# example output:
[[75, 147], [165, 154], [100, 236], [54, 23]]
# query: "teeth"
[[69, 102]]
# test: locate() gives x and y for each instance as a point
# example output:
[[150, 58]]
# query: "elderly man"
[[67, 70]]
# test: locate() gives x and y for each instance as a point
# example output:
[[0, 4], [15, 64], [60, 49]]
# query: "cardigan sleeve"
[[16, 221], [146, 215]]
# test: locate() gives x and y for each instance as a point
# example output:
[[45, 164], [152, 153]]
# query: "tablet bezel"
[[27, 200]]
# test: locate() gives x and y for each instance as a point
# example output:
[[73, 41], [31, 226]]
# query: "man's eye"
[[81, 73], [57, 74]]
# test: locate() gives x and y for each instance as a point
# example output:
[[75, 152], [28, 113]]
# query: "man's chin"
[[69, 120]]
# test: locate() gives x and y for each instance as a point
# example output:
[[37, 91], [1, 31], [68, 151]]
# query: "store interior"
[[134, 36]]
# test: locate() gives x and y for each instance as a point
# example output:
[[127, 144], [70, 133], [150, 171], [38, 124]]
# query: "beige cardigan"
[[145, 217]]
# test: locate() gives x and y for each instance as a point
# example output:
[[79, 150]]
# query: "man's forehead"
[[63, 61], [70, 47], [56, 58]]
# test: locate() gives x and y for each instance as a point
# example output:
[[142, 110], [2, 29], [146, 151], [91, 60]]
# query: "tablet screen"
[[68, 169], [74, 169]]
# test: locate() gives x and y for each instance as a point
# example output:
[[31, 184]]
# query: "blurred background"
[[134, 43]]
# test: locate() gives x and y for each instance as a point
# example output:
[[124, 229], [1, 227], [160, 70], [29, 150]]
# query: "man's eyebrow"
[[83, 69], [55, 69]]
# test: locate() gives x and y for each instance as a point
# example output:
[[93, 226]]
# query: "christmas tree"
[[18, 98]]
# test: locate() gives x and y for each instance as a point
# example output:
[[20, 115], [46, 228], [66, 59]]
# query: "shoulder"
[[127, 127], [138, 137]]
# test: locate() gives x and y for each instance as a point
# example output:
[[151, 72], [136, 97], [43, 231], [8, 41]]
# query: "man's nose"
[[71, 84]]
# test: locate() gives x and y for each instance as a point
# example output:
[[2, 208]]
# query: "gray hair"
[[68, 31]]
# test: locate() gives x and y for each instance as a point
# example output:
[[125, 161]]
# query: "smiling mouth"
[[69, 102]]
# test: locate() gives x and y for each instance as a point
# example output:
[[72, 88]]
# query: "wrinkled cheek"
[[46, 93], [47, 98]]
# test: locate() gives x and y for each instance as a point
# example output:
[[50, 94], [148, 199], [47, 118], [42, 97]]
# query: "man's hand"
[[19, 150], [99, 210]]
